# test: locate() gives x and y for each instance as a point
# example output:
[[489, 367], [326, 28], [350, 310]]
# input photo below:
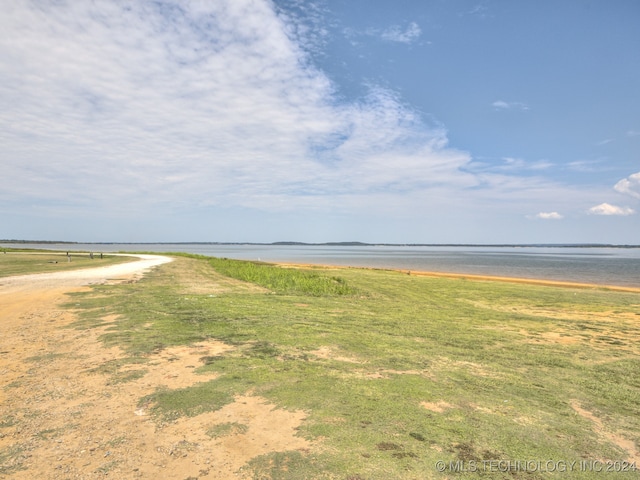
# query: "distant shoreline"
[[337, 244], [414, 270]]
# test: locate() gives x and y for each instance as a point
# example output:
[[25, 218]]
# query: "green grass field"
[[397, 373], [20, 262]]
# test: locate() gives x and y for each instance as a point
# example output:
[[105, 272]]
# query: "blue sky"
[[330, 120]]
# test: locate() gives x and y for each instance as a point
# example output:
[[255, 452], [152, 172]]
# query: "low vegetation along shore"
[[387, 375]]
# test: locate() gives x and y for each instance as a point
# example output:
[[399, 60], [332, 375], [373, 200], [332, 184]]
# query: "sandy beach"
[[469, 276]]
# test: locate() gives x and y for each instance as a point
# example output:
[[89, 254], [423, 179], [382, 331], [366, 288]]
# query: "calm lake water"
[[599, 265]]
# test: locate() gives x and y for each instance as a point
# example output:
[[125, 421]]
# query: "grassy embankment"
[[22, 262], [395, 372]]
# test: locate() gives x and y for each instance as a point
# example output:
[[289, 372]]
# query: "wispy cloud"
[[629, 185], [521, 164], [607, 209], [510, 164], [480, 11], [502, 105], [204, 104], [549, 216], [395, 33], [588, 166], [116, 109]]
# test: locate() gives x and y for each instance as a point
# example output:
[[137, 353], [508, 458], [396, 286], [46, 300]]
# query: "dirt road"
[[60, 417], [82, 277]]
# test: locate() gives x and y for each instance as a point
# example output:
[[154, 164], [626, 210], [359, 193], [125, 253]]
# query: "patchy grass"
[[395, 372], [169, 404], [113, 369], [25, 262], [44, 358], [12, 459], [7, 421], [223, 429]]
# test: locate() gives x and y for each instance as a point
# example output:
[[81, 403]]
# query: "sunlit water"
[[599, 265]]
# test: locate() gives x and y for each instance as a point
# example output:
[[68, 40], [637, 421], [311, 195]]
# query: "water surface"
[[597, 265]]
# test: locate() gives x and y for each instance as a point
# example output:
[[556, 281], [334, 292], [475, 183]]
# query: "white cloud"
[[587, 166], [549, 216], [629, 185], [607, 209], [510, 164], [502, 105], [210, 103], [396, 34], [111, 109]]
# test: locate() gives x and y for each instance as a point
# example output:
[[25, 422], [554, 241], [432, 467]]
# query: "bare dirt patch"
[[599, 329], [387, 373], [62, 415], [438, 407], [174, 367], [621, 442], [559, 314], [560, 338], [329, 353], [478, 370]]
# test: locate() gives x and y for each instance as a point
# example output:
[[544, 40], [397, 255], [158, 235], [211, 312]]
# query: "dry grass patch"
[[193, 276], [439, 407], [628, 446], [329, 353]]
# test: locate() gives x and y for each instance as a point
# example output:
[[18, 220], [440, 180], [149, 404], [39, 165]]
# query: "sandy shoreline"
[[471, 276], [426, 273]]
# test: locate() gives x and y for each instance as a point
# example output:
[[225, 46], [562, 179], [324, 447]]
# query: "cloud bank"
[[201, 103], [126, 109]]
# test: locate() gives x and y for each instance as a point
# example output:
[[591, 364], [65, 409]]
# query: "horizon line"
[[343, 244]]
